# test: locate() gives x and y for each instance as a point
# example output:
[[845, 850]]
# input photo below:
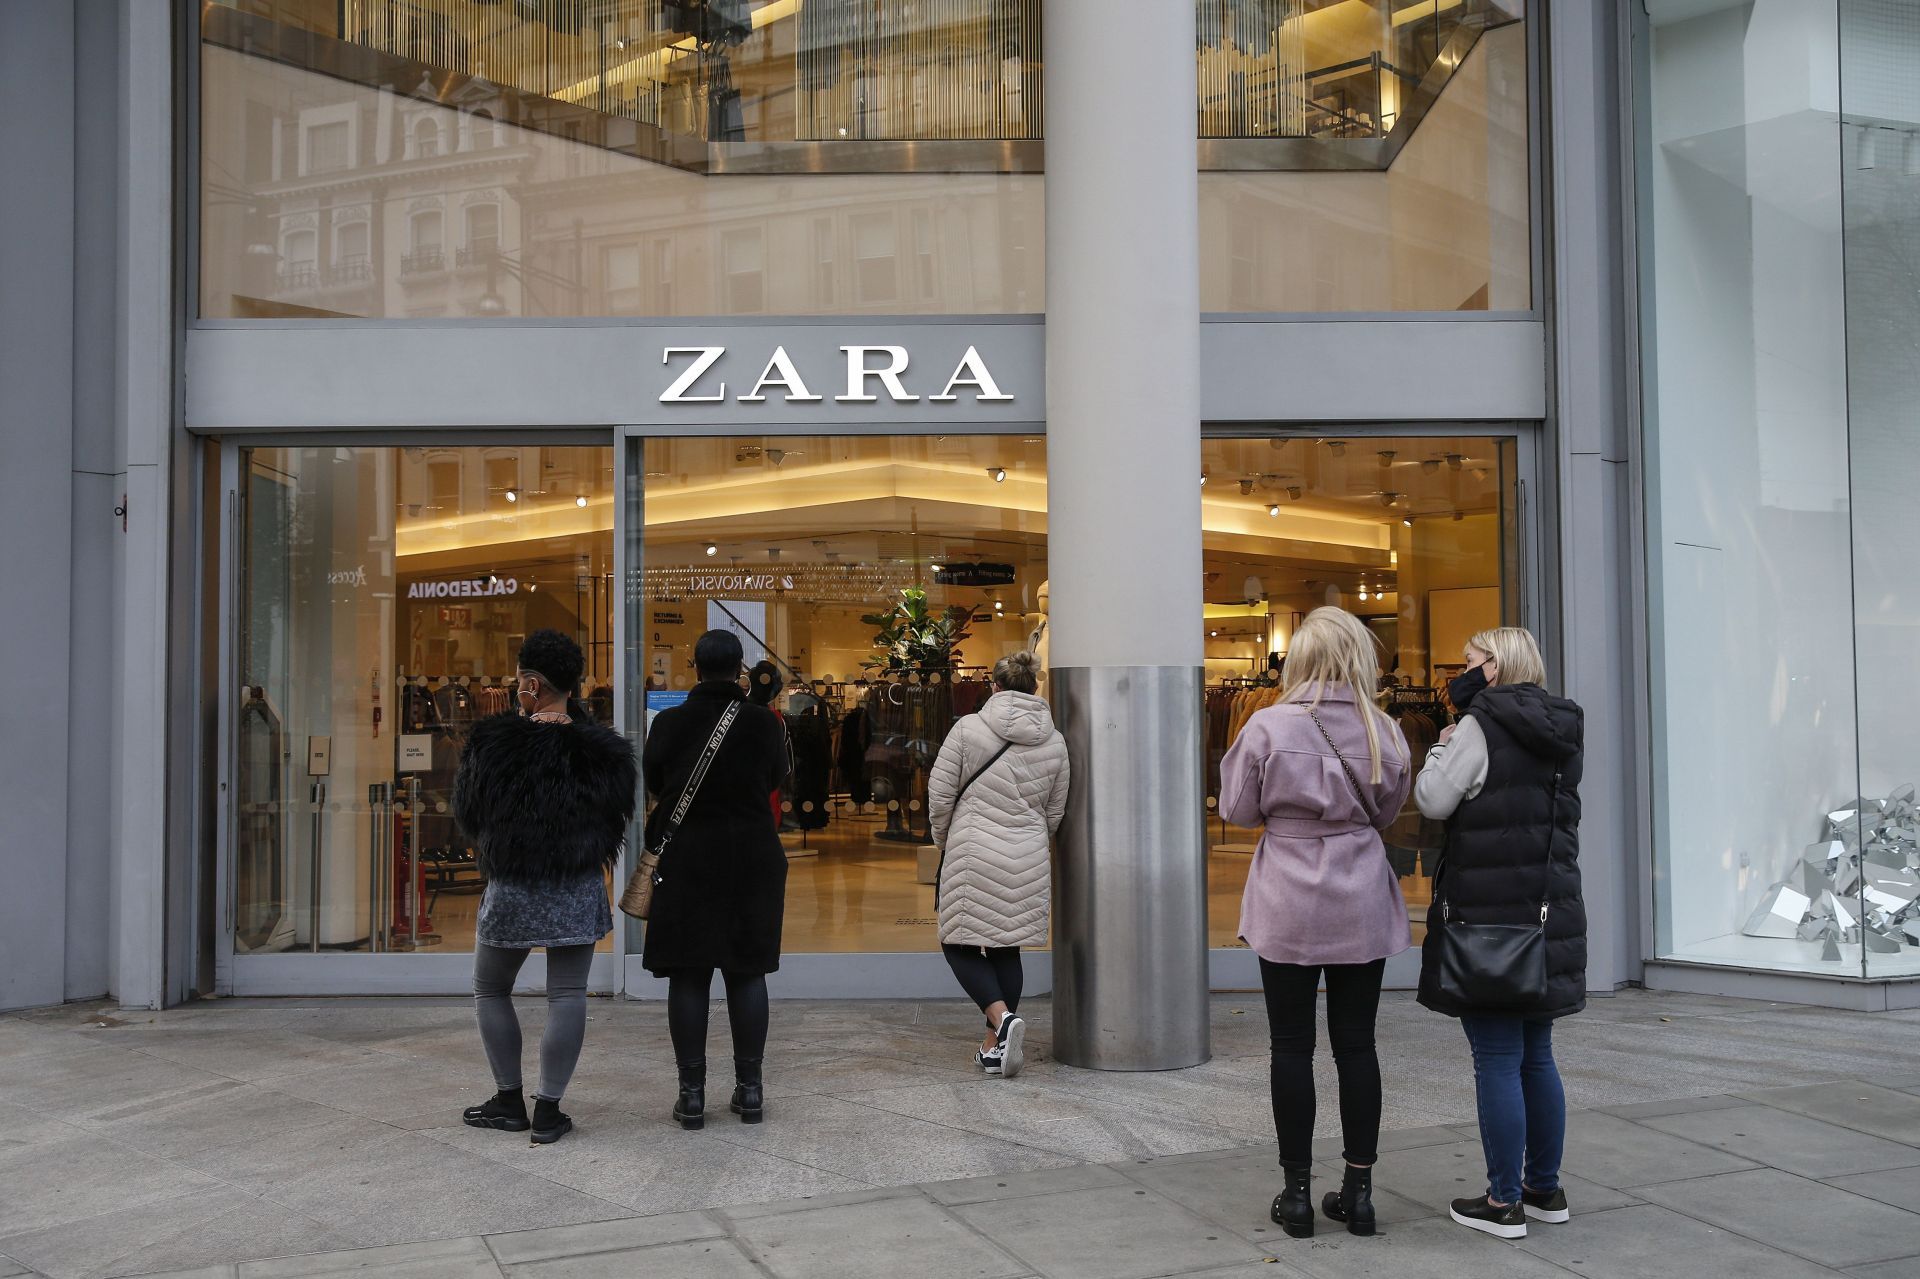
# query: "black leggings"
[[687, 1003], [1353, 1000], [989, 974]]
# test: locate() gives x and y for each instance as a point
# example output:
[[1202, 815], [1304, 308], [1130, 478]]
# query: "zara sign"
[[867, 375]]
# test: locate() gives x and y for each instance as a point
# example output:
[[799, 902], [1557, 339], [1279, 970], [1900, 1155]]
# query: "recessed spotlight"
[[1455, 460], [1213, 634], [935, 567], [1408, 521], [1203, 479], [712, 549], [1337, 447], [1294, 491], [1274, 509], [513, 495], [1246, 488], [1363, 594], [1430, 465], [999, 607], [998, 474], [581, 500]]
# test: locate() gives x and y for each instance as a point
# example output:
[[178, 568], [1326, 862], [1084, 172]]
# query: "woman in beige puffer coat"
[[995, 797]]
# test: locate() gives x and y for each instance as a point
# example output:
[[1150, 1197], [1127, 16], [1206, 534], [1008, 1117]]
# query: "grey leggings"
[[494, 968]]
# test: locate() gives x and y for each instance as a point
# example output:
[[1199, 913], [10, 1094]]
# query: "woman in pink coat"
[[1323, 772]]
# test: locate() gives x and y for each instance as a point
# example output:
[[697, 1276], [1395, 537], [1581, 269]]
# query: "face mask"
[[1463, 688]]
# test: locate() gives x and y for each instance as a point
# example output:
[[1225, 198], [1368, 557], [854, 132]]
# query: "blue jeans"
[[1523, 1111]]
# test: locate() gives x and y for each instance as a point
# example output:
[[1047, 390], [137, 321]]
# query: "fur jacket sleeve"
[[544, 803]]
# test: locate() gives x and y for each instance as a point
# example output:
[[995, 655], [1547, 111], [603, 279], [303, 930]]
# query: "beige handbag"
[[637, 900]]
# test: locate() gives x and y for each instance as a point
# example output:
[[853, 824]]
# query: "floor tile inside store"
[[1744, 1138]]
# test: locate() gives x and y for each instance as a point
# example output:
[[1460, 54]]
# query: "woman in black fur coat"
[[545, 796], [721, 895]]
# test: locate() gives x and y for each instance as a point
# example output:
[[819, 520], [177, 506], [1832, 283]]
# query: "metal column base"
[[1130, 928]]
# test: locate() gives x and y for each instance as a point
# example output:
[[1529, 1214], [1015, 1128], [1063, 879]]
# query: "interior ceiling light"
[[1246, 488], [1389, 497], [513, 495], [1454, 461], [1337, 447], [712, 549], [1274, 509], [1430, 465], [1408, 521], [1363, 594], [581, 500], [1294, 491], [1387, 456], [1203, 479], [999, 474], [935, 567]]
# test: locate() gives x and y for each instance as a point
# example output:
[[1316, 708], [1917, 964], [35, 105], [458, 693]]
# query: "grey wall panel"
[[36, 389], [1386, 370], [351, 377]]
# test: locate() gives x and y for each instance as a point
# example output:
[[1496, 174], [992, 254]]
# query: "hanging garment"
[[850, 755]]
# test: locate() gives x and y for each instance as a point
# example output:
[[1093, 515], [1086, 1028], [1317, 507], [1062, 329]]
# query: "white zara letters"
[[867, 369]]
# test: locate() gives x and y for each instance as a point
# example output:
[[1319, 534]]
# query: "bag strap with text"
[[699, 774]]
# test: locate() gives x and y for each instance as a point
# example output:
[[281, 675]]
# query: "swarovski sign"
[[867, 369]]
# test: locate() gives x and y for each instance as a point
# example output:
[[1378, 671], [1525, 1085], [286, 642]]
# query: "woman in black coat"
[[721, 893], [545, 796], [1506, 780]]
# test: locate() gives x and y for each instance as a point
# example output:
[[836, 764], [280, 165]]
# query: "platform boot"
[[749, 1098], [690, 1109], [1293, 1207], [1353, 1202]]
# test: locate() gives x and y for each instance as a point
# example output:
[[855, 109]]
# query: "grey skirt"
[[519, 916]]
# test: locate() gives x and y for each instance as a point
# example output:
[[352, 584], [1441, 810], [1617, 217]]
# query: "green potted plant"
[[912, 636]]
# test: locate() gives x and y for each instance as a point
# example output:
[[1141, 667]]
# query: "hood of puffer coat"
[[1549, 727], [1020, 718]]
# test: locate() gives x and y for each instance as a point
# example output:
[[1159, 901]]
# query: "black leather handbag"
[[1499, 967]]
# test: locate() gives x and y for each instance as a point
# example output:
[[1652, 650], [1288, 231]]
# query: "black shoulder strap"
[[699, 774]]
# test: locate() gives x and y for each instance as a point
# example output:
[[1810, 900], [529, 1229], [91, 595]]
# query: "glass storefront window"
[[1365, 156], [637, 157], [882, 576], [467, 159], [383, 595], [1418, 537], [1778, 165]]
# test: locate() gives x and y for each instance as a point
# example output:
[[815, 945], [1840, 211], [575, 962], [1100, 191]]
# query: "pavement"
[[1710, 1137]]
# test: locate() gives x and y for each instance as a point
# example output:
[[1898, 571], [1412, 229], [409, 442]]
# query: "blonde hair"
[[1019, 673], [1515, 653], [1334, 647]]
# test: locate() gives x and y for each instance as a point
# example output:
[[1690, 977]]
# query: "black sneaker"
[[1509, 1222], [1546, 1205], [989, 1061], [1012, 1036]]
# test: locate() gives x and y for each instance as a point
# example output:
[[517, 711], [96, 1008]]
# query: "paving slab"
[[438, 1259], [1899, 1187], [1882, 1112], [1899, 1268], [1429, 1250], [85, 1176], [1437, 1175], [1808, 1147], [1017, 1185], [1109, 1233], [1793, 1214], [1650, 1242], [202, 1228], [698, 1259], [909, 1236], [1620, 1153], [1675, 1106], [622, 1235], [880, 1147]]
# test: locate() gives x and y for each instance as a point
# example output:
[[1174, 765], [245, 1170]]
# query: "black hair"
[[763, 683], [718, 655], [555, 657]]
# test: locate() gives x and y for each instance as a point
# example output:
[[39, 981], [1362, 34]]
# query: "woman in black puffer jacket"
[[545, 796], [1506, 779]]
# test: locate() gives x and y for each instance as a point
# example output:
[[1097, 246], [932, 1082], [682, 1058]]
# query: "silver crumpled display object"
[[1859, 885]]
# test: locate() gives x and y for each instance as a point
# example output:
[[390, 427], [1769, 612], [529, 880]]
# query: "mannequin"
[[1038, 640]]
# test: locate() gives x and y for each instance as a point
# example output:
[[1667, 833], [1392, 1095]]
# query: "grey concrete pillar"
[[1124, 552]]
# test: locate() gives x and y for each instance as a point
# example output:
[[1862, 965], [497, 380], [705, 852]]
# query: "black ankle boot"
[[749, 1099], [549, 1125], [506, 1110], [1353, 1202], [1293, 1207], [690, 1110]]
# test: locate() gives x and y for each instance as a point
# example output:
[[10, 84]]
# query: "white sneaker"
[[1012, 1036]]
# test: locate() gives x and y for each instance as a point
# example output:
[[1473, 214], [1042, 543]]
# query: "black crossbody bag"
[[1498, 966]]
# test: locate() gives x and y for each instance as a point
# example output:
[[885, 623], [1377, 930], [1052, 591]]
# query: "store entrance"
[[381, 595], [1419, 536]]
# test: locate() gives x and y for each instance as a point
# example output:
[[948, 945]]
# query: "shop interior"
[[385, 591]]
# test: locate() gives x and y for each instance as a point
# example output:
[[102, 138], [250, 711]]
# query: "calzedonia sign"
[[463, 588], [862, 375]]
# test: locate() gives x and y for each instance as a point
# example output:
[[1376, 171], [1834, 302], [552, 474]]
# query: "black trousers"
[[1353, 1001], [687, 1004], [989, 974]]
